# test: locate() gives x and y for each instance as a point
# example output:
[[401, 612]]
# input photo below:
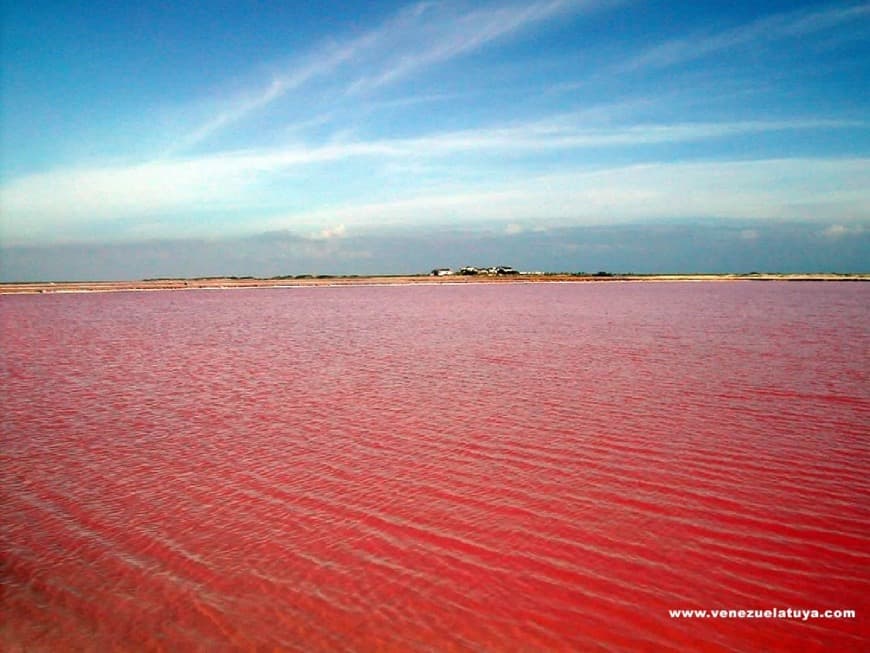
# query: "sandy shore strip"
[[247, 282]]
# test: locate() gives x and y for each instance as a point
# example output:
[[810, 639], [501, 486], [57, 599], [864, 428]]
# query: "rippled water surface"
[[473, 467]]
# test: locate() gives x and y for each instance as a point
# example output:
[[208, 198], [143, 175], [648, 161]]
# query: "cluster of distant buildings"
[[470, 271]]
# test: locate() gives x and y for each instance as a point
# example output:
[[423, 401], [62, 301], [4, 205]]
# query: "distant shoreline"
[[215, 283]]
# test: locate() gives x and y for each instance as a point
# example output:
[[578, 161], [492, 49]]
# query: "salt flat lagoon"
[[436, 467]]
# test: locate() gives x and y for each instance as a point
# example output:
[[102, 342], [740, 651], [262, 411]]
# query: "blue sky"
[[133, 122]]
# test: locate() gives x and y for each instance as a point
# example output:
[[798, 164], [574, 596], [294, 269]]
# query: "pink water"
[[474, 467]]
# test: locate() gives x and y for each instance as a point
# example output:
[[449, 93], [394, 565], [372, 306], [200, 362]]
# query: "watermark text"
[[768, 613]]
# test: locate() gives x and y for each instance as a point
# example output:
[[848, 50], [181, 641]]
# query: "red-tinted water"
[[474, 467]]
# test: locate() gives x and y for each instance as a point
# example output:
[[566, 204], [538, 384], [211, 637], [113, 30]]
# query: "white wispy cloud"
[[449, 34], [793, 189], [837, 231], [417, 37], [330, 233], [811, 189], [232, 180], [770, 28], [566, 133], [238, 107]]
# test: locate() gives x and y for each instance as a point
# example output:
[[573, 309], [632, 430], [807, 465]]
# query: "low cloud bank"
[[715, 247]]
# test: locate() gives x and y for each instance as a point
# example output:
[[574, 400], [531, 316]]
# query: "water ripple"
[[435, 468]]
